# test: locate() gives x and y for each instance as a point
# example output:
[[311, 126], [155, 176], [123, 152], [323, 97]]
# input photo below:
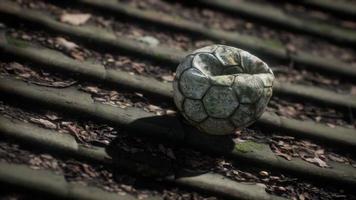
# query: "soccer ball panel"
[[246, 60], [220, 102], [207, 49], [233, 70], [185, 64], [268, 92], [263, 101], [244, 115], [228, 55], [217, 126], [193, 84], [225, 80], [208, 64], [253, 65], [267, 79], [177, 95], [194, 110], [248, 88]]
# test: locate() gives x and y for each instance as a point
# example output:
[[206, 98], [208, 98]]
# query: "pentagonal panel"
[[217, 126], [244, 115], [194, 110], [208, 64], [267, 79], [207, 49], [261, 104], [185, 64], [220, 101], [193, 83], [248, 88], [177, 95], [228, 55]]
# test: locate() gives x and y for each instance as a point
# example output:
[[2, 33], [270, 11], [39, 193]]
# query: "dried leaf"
[[317, 161], [77, 55], [170, 112], [55, 84], [74, 19], [168, 78], [44, 122], [335, 158], [62, 84], [153, 108], [283, 155], [320, 152], [330, 125], [20, 70], [91, 89], [281, 189], [263, 173], [74, 130], [139, 68], [283, 137], [66, 44], [88, 170], [52, 116], [349, 24], [149, 40], [170, 154], [353, 90]]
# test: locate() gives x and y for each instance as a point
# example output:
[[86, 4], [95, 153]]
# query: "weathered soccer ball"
[[220, 88]]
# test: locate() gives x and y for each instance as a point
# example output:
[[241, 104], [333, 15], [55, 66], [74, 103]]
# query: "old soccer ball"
[[220, 88]]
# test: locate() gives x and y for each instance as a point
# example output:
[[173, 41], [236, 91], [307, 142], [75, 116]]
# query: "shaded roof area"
[[87, 110]]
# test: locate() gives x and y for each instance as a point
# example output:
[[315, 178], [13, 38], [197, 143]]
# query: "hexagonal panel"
[[191, 122], [233, 70], [244, 115], [268, 92], [207, 49], [259, 66], [225, 80], [262, 103], [208, 64], [248, 88], [228, 55], [194, 110], [193, 84], [220, 101], [185, 64], [267, 79], [247, 60], [177, 95], [252, 64], [217, 126]]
